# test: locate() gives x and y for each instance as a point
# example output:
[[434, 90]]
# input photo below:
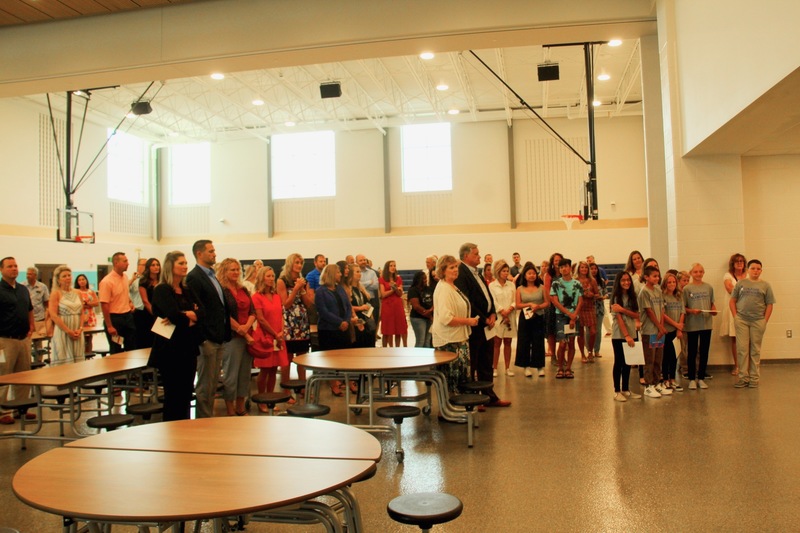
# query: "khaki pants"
[[749, 334], [17, 359]]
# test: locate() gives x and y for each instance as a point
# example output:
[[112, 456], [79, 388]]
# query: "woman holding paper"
[[532, 302], [625, 312], [178, 336]]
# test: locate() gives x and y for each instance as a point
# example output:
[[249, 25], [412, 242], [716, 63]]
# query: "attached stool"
[[110, 422], [146, 410], [34, 366], [20, 405], [476, 386], [425, 509], [469, 402], [294, 385], [270, 399], [398, 413], [308, 410]]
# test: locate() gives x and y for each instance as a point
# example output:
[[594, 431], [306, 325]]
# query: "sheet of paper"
[[528, 312], [676, 342], [165, 330], [633, 355], [569, 330], [490, 333]]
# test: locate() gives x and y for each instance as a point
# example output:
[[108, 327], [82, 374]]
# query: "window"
[[127, 167], [427, 164], [190, 174], [303, 165]]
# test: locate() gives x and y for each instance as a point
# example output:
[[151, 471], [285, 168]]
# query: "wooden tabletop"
[[64, 375], [281, 436], [144, 486], [141, 353], [374, 359]]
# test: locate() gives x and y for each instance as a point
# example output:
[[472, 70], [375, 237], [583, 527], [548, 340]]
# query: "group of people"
[[214, 320]]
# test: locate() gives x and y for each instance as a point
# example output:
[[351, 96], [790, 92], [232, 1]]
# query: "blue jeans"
[[422, 332]]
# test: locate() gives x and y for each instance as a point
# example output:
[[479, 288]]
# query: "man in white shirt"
[[40, 297], [369, 279]]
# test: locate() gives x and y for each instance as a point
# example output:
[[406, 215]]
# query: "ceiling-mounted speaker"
[[141, 108], [330, 90], [548, 71]]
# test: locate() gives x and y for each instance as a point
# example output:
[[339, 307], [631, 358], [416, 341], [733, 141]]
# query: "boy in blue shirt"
[[566, 294]]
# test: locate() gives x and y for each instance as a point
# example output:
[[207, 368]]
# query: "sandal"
[[584, 360], [568, 374], [241, 413], [560, 374], [263, 408]]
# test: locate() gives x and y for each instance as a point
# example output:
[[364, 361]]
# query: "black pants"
[[622, 371], [530, 341], [481, 354], [126, 328], [178, 381], [703, 339], [670, 360]]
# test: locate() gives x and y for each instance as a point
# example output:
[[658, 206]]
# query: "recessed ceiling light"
[[442, 87], [453, 112], [258, 102], [604, 77], [289, 124], [614, 42], [218, 76], [131, 115], [597, 103], [426, 55]]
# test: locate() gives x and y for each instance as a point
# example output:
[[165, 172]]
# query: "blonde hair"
[[168, 264], [328, 276], [223, 268], [57, 273], [442, 264], [499, 265], [261, 284], [287, 266]]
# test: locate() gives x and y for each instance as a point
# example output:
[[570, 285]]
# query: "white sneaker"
[[651, 392], [693, 385], [541, 372], [494, 373], [619, 397], [509, 373], [528, 372], [631, 395], [702, 384], [664, 391]]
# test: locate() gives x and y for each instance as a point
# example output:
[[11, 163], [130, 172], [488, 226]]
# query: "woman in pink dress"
[[394, 327], [268, 347]]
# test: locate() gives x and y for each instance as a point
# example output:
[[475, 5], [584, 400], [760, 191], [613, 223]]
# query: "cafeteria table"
[[387, 365], [160, 474]]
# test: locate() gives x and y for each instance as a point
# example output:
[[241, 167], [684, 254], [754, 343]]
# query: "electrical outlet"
[[788, 334]]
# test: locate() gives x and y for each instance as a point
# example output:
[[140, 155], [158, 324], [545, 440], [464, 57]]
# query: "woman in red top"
[[394, 327], [236, 362]]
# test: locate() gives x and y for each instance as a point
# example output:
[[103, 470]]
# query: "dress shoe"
[[481, 409], [28, 416], [499, 403], [7, 420]]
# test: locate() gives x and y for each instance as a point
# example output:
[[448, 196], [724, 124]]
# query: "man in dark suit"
[[216, 325], [471, 283]]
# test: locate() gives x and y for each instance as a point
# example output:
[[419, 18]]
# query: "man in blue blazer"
[[471, 283], [216, 325]]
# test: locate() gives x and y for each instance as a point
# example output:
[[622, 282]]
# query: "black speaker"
[[548, 71], [330, 90]]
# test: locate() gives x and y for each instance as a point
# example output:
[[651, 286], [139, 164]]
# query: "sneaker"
[[741, 384], [651, 392], [541, 372], [619, 397], [663, 390], [631, 395], [753, 385], [528, 372], [494, 373], [693, 385], [702, 384], [510, 373], [708, 376], [674, 386]]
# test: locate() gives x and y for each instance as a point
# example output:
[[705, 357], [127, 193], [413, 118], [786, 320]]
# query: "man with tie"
[[471, 283], [216, 325]]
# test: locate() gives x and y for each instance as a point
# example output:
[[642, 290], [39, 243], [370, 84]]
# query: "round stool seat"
[[308, 410], [96, 386], [271, 399], [19, 403], [425, 509], [398, 412], [294, 385], [476, 386], [34, 366], [469, 401], [110, 422], [145, 410]]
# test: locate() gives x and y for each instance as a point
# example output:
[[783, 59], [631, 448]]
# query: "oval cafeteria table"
[[196, 469], [386, 364]]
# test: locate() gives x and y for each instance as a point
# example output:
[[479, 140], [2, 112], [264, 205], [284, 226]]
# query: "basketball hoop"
[[570, 219], [84, 239]]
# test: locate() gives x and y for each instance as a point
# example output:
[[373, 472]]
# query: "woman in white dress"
[[736, 272], [504, 295], [66, 310]]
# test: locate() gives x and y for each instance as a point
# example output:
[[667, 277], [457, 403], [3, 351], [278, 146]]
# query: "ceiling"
[[376, 93]]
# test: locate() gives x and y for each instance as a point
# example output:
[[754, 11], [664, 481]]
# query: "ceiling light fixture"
[[289, 124], [615, 42], [453, 112], [603, 77], [218, 76], [597, 103], [258, 102], [442, 87], [427, 55]]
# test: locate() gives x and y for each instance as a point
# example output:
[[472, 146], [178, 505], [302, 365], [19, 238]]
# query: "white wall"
[[730, 52]]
